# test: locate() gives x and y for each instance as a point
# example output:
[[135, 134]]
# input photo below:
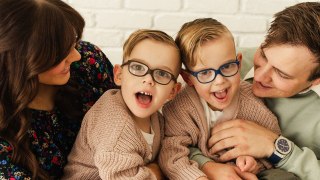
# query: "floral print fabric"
[[52, 134]]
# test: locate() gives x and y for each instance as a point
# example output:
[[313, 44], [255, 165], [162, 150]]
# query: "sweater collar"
[[316, 88]]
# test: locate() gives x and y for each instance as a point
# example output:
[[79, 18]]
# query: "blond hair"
[[194, 33], [143, 34]]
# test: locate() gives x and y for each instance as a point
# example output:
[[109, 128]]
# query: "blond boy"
[[120, 135], [214, 93]]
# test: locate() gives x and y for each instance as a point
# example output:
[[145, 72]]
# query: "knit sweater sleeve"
[[253, 109], [123, 161], [182, 129], [109, 145]]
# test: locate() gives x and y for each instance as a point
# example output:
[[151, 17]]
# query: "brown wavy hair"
[[297, 25], [35, 35]]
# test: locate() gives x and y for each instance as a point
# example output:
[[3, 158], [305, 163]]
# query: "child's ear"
[[239, 57], [186, 77], [175, 90], [117, 71]]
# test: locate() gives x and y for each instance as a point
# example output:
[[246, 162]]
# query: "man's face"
[[282, 70]]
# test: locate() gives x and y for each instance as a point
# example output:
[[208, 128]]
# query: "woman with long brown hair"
[[48, 80]]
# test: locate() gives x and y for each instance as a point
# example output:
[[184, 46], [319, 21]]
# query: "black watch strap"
[[274, 159]]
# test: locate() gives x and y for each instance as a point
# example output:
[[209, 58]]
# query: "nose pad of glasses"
[[219, 79]]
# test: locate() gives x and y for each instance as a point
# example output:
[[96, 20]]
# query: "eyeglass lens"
[[226, 70], [158, 75]]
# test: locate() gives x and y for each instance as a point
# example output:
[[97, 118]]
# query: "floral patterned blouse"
[[51, 135]]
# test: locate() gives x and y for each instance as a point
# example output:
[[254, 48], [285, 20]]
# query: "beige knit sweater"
[[109, 144], [186, 125]]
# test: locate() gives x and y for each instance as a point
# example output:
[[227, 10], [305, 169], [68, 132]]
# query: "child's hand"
[[225, 171], [247, 164]]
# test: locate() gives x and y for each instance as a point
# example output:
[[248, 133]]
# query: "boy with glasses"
[[214, 93], [120, 136]]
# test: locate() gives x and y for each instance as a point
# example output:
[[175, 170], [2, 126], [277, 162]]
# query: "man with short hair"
[[287, 76]]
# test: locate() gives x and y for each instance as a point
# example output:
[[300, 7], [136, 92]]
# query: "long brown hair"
[[35, 35]]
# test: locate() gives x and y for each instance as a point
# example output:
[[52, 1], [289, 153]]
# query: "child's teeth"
[[145, 93]]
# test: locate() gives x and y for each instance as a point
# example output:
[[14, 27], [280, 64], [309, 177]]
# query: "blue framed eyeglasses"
[[158, 75], [208, 75]]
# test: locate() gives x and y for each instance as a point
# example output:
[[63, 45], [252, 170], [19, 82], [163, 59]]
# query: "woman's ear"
[[186, 77], [117, 72], [239, 57]]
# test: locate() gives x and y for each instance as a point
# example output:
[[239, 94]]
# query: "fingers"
[[230, 154], [238, 172], [249, 164], [246, 175], [241, 163], [221, 141], [225, 130], [227, 125], [244, 137]]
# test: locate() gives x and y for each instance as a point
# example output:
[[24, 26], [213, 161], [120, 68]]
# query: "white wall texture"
[[110, 22]]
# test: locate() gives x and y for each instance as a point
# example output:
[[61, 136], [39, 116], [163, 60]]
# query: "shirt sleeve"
[[197, 156], [302, 162], [9, 170]]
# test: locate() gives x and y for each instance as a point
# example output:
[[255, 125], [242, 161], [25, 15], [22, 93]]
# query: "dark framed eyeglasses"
[[208, 75], [158, 75]]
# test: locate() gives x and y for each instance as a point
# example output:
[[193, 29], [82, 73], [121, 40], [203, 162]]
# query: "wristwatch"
[[282, 148]]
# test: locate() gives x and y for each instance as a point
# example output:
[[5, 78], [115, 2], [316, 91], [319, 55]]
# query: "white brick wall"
[[109, 22]]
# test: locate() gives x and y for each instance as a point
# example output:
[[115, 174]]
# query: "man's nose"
[[263, 73]]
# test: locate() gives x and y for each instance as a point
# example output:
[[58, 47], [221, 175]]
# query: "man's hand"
[[216, 171], [241, 137]]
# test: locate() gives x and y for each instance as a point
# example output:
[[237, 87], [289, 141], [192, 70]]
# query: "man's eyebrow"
[[279, 71]]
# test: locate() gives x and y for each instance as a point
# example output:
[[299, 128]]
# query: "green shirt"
[[299, 120]]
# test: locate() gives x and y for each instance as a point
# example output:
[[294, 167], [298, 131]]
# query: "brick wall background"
[[109, 22]]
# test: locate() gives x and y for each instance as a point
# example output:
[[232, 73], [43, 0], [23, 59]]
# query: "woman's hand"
[[241, 137]]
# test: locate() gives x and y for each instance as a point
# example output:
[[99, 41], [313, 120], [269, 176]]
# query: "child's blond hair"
[[193, 34], [143, 34]]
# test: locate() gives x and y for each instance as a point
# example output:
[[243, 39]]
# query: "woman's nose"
[[73, 56]]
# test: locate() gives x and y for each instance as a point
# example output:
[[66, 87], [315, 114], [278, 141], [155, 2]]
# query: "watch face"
[[283, 146]]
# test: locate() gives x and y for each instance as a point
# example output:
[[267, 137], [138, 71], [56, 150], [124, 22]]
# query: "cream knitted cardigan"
[[109, 144], [186, 125]]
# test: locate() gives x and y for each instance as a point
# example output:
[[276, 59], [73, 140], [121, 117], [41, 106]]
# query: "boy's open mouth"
[[144, 97], [221, 94]]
